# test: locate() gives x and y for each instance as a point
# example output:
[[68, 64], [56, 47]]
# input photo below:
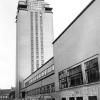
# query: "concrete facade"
[[23, 48]]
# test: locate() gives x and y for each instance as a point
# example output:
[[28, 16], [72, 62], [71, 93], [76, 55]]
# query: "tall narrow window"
[[41, 38], [52, 87], [37, 40], [92, 70], [32, 42], [63, 79]]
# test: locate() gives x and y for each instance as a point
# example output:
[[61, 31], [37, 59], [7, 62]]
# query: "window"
[[71, 98], [45, 72], [53, 87], [53, 98], [48, 88], [92, 70], [75, 76], [53, 67], [63, 98], [92, 98], [79, 98], [49, 70], [63, 79]]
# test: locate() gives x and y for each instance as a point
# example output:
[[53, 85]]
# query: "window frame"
[[92, 70]]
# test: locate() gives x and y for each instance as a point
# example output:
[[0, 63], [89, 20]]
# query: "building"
[[34, 26], [40, 84], [4, 94], [73, 73], [77, 57]]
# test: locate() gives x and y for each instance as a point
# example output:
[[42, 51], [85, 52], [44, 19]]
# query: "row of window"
[[40, 75], [74, 76], [50, 88], [4, 97], [41, 38], [32, 42], [81, 98], [37, 41]]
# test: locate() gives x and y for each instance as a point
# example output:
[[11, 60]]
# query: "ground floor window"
[[71, 98], [92, 98], [79, 98], [53, 98], [63, 98]]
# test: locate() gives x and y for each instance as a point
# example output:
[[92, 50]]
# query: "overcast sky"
[[64, 11]]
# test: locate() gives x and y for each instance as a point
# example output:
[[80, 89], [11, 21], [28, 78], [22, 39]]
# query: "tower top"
[[22, 5]]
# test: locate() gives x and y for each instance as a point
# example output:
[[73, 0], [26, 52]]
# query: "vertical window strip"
[[32, 43], [41, 38], [37, 41]]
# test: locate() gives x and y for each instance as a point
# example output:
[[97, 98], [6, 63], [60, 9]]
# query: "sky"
[[64, 11]]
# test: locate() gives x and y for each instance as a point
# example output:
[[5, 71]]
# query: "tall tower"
[[34, 26], [41, 32]]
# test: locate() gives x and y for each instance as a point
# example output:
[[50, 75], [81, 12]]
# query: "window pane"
[[75, 76], [92, 97], [63, 98], [71, 98], [79, 98], [92, 70]]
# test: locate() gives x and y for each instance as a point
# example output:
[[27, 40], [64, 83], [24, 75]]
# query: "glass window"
[[92, 70], [35, 78], [45, 72], [63, 98], [92, 98], [39, 75], [49, 70], [79, 98], [63, 79], [75, 76], [52, 87], [53, 99], [48, 88], [71, 98], [52, 67]]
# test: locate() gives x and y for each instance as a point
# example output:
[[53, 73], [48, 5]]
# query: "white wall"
[[23, 54], [80, 41], [48, 35]]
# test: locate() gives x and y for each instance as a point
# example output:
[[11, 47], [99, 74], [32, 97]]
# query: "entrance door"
[[92, 98], [79, 98]]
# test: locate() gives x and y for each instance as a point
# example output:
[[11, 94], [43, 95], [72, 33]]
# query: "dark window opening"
[[63, 83], [79, 98], [75, 76], [53, 98], [63, 98], [92, 98], [71, 98], [92, 70]]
